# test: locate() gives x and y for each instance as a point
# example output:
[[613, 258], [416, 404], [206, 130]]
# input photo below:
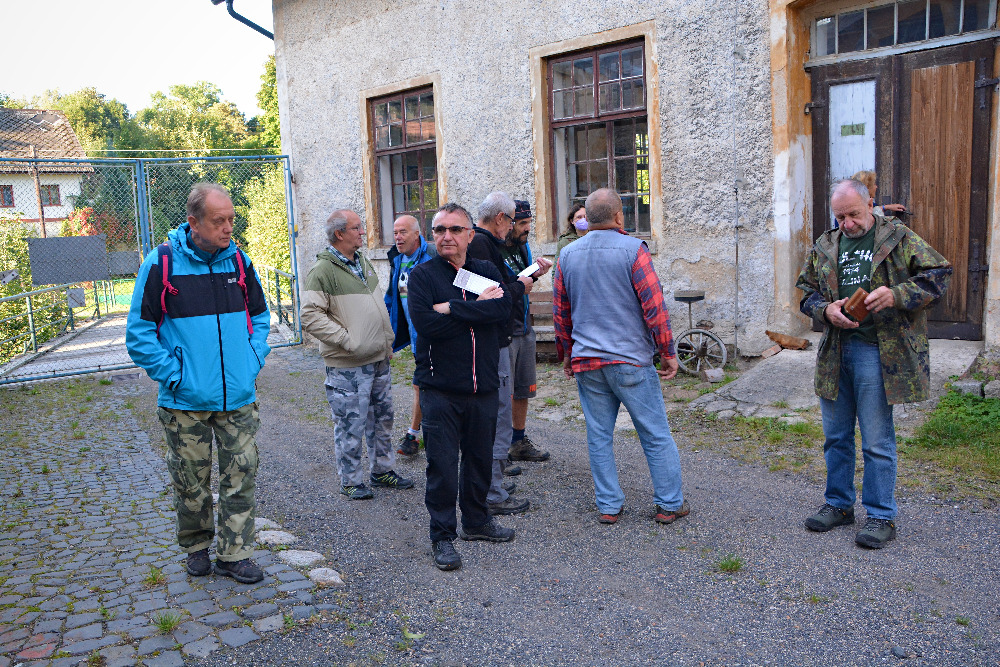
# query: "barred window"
[[406, 158], [6, 196], [599, 132], [50, 195]]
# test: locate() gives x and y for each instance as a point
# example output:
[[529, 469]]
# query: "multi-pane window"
[[406, 158], [50, 195], [897, 23], [599, 134], [6, 196]]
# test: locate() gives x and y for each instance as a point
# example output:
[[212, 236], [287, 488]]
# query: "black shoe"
[[357, 492], [876, 534], [491, 531], [525, 450], [509, 487], [445, 556], [408, 445], [391, 480], [244, 571], [198, 563], [510, 506], [829, 517], [509, 469]]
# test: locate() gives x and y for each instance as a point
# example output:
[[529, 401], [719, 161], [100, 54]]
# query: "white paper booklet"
[[473, 282], [528, 271]]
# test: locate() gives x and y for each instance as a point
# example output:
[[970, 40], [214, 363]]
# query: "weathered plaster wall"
[[991, 311], [714, 114]]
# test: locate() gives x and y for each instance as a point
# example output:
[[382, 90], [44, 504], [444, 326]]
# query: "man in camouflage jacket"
[[864, 368]]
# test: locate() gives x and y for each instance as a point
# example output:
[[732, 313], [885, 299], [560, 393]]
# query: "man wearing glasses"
[[343, 309], [457, 355]]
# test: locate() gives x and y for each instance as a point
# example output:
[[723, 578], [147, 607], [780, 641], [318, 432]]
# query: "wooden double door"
[[921, 121]]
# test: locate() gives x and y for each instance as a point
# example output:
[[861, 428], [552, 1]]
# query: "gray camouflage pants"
[[361, 404], [189, 459]]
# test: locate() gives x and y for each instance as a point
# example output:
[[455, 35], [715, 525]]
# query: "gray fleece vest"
[[607, 316]]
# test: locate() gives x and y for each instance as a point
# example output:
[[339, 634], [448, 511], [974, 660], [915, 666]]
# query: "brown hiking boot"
[[525, 450]]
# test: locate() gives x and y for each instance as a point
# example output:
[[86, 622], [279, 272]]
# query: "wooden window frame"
[[419, 147], [45, 192], [597, 117], [10, 197]]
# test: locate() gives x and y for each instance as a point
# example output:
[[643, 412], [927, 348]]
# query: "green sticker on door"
[[853, 130]]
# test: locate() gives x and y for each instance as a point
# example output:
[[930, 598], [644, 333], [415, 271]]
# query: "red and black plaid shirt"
[[654, 311]]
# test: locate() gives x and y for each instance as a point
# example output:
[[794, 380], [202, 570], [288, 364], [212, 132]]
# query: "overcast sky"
[[129, 49]]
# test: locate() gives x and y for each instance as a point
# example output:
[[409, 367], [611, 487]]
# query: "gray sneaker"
[[491, 531], [829, 517], [876, 534]]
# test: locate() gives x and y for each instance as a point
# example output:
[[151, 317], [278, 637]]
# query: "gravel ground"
[[569, 591]]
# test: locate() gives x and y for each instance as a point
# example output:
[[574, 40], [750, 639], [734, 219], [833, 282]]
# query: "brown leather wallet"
[[855, 306]]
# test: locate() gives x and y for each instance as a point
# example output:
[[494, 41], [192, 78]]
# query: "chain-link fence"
[[73, 234]]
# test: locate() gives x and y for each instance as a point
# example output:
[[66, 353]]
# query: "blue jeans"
[[602, 391], [861, 398]]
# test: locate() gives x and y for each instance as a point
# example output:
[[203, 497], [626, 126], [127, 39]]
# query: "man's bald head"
[[603, 207], [406, 234]]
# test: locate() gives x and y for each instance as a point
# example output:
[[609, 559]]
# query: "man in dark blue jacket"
[[410, 250], [198, 325], [458, 351]]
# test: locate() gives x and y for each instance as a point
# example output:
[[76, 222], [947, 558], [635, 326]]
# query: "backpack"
[[165, 253]]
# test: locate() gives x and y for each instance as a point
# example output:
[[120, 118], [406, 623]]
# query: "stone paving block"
[[86, 632], [89, 645], [269, 623], [193, 596], [288, 576], [118, 656], [127, 624], [39, 652], [201, 648], [263, 594], [260, 610], [299, 558], [221, 619], [179, 588], [168, 659], [235, 601], [56, 603], [158, 643], [277, 567], [295, 586], [54, 625], [191, 631], [148, 606], [13, 635], [220, 585], [201, 608], [238, 636], [303, 611], [304, 597]]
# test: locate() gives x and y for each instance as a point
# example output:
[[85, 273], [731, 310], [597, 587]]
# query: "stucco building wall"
[[710, 97]]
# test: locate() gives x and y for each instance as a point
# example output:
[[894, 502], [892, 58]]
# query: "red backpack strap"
[[164, 252], [242, 282]]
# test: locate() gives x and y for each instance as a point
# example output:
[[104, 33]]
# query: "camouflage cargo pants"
[[361, 403], [189, 458]]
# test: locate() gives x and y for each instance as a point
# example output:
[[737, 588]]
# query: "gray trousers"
[[361, 405], [505, 429]]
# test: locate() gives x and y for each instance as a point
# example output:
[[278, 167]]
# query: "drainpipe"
[[244, 20]]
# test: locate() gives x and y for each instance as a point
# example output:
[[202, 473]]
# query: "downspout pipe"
[[244, 20]]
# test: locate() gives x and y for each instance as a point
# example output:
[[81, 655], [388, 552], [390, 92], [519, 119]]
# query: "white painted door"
[[852, 129]]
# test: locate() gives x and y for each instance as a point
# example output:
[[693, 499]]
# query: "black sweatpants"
[[454, 423]]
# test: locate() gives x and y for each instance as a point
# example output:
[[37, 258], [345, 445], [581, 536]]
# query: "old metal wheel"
[[698, 349]]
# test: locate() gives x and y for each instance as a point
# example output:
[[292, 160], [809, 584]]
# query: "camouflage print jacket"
[[917, 275]]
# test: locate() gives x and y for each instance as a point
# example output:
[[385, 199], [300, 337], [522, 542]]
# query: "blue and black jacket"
[[204, 356], [393, 302]]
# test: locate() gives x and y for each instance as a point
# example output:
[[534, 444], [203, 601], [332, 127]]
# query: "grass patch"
[[730, 564], [154, 577], [167, 621], [961, 434]]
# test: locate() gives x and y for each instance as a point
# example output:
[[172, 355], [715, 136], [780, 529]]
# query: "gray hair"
[[451, 208], [495, 204], [197, 196], [851, 184], [337, 222], [602, 206]]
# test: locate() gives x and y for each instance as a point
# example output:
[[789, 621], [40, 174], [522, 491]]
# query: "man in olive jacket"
[[343, 309], [864, 368]]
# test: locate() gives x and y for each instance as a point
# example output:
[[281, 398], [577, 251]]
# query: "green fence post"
[[97, 301], [70, 309], [31, 326]]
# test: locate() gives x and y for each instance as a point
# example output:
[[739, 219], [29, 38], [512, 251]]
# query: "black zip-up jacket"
[[486, 246], [457, 353]]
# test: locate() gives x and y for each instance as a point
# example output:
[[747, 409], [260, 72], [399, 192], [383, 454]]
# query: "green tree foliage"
[[14, 237], [193, 118], [266, 234], [268, 124], [99, 122]]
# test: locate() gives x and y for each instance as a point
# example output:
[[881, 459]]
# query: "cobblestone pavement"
[[89, 564]]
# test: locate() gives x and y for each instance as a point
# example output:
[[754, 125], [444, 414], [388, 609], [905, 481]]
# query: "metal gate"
[[64, 299]]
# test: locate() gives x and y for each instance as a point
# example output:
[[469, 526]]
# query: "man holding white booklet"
[[457, 355]]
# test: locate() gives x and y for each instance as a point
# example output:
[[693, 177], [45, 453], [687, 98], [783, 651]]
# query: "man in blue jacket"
[[198, 325], [410, 250]]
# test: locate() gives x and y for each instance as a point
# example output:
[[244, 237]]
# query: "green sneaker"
[[392, 480], [829, 517], [357, 492], [876, 534]]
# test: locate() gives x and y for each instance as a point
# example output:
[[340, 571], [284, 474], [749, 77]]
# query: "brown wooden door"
[[943, 171], [931, 154]]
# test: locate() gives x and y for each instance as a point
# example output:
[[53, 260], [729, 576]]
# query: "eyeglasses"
[[508, 217], [454, 229]]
